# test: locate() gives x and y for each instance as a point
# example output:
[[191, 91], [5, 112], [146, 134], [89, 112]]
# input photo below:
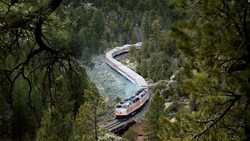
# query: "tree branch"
[[197, 137]]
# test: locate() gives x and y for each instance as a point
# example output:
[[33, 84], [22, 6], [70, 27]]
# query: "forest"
[[195, 54]]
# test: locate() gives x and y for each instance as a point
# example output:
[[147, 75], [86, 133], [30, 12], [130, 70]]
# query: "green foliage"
[[132, 53], [130, 135], [54, 126], [152, 117], [156, 54], [174, 108], [126, 25], [37, 70], [97, 23], [90, 115], [214, 71], [24, 119], [38, 41], [97, 31]]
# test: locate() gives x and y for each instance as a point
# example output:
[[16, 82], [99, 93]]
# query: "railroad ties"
[[118, 125]]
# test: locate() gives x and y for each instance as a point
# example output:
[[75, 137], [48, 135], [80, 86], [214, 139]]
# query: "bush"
[[130, 135]]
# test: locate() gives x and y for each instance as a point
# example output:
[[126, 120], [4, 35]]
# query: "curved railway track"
[[117, 125], [135, 78]]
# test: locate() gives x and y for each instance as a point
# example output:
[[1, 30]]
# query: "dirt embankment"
[[138, 128]]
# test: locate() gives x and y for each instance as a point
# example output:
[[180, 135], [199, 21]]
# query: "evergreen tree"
[[214, 38], [24, 119], [132, 53], [156, 53], [34, 53], [152, 117], [90, 115], [130, 135], [54, 126], [97, 24]]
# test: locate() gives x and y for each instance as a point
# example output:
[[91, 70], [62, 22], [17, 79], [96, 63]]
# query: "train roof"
[[138, 80]]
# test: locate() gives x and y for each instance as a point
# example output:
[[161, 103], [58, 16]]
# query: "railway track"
[[113, 124], [116, 125], [135, 78]]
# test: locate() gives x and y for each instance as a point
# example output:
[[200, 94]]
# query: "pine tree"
[[152, 117], [90, 114], [54, 126], [132, 53], [97, 25], [214, 38], [130, 135]]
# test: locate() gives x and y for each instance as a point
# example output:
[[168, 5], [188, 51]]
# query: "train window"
[[118, 106], [124, 106], [137, 99], [131, 98], [138, 92], [126, 100]]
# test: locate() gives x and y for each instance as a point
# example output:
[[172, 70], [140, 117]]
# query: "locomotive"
[[130, 106]]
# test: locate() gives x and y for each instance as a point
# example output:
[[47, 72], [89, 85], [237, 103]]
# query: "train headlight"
[[123, 112]]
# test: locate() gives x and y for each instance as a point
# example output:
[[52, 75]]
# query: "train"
[[128, 107]]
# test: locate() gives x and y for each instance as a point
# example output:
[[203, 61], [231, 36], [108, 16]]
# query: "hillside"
[[195, 54]]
